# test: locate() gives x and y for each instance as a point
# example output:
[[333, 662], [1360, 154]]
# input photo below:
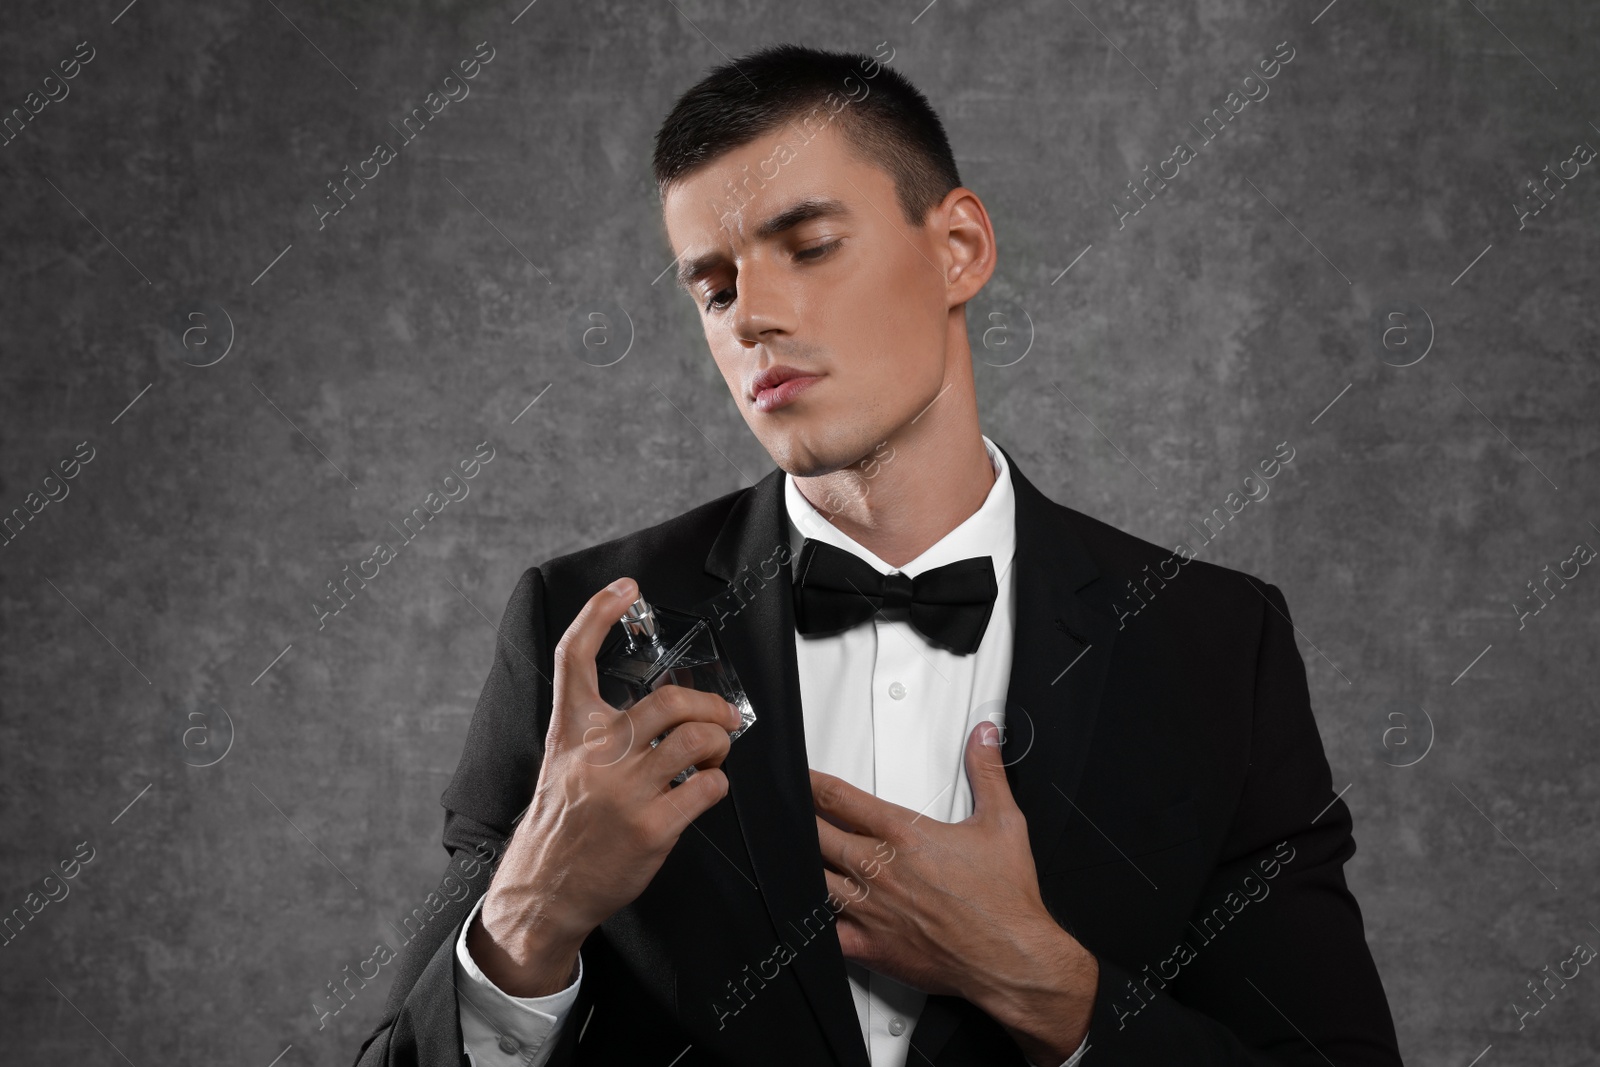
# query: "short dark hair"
[[892, 127]]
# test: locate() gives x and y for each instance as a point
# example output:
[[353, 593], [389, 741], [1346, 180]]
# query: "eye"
[[819, 251], [809, 255]]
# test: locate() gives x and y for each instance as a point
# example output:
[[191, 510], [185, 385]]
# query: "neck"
[[928, 477]]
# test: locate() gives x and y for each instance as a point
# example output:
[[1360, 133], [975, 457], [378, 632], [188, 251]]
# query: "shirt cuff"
[[498, 1029], [1071, 1060]]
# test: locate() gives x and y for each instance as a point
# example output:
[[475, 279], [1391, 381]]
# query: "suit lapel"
[[1061, 652], [1060, 656], [1052, 699], [768, 776]]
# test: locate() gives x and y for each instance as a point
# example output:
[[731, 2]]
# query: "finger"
[[691, 744], [672, 705], [574, 655], [683, 805], [839, 801], [986, 772], [855, 939], [848, 893], [838, 846]]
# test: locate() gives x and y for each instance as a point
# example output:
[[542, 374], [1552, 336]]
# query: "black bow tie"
[[950, 605]]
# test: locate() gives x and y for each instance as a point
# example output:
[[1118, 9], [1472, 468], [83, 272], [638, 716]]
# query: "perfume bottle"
[[658, 646]]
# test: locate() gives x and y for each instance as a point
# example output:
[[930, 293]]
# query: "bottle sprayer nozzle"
[[640, 619]]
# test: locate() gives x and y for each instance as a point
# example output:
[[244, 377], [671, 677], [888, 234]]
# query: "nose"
[[763, 305]]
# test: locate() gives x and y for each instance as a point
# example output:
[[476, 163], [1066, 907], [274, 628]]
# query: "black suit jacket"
[[1174, 784]]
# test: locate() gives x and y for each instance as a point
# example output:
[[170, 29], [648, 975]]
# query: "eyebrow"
[[811, 207]]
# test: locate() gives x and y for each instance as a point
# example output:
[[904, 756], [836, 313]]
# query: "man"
[[1146, 868]]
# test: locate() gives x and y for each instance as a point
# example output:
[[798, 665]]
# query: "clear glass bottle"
[[660, 645]]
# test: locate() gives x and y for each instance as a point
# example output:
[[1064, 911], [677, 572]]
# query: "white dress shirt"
[[885, 711]]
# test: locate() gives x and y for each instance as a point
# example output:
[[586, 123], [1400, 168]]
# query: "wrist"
[[523, 950], [1046, 1001]]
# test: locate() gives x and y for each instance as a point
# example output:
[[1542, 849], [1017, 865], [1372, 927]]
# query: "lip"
[[777, 386]]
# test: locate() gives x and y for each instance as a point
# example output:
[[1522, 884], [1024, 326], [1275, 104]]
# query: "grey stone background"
[[175, 580]]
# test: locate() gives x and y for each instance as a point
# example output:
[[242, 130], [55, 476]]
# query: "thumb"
[[986, 770]]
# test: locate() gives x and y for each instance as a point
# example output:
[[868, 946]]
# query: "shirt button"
[[897, 691], [509, 1045], [897, 1026]]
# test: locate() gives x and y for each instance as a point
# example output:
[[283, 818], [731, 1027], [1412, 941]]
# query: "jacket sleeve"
[[421, 1026], [493, 783], [1273, 968]]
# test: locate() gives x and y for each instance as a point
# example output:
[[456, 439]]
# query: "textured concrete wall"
[[157, 616]]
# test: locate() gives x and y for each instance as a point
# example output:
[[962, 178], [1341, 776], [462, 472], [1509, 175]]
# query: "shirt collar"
[[989, 531]]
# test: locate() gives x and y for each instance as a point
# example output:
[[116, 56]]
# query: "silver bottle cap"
[[640, 620]]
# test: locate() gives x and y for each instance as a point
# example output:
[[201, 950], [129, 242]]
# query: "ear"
[[967, 239]]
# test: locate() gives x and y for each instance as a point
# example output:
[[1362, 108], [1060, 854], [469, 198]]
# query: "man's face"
[[843, 290]]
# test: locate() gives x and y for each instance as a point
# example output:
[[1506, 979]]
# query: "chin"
[[800, 464], [803, 458]]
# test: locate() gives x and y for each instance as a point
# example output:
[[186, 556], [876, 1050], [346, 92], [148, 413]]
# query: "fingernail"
[[988, 734], [620, 586]]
